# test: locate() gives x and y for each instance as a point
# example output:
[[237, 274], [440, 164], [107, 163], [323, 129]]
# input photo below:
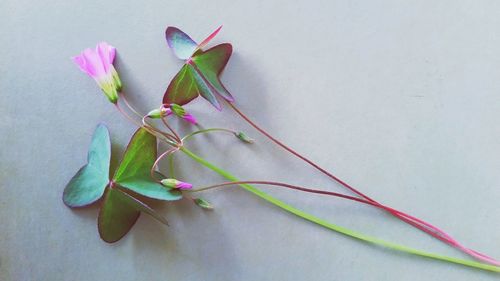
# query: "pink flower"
[[98, 64]]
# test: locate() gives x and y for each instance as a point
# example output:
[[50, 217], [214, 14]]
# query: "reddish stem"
[[420, 224]]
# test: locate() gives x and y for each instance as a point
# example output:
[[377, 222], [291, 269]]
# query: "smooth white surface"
[[399, 98]]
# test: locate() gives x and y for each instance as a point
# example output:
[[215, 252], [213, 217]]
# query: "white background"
[[399, 98]]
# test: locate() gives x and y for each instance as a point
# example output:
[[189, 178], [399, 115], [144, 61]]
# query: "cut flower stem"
[[334, 227], [420, 224]]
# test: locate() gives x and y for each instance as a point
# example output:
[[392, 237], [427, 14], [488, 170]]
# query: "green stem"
[[171, 167], [208, 131], [332, 226]]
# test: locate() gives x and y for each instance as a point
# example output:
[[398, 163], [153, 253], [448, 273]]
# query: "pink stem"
[[422, 225], [155, 164], [122, 95], [164, 120]]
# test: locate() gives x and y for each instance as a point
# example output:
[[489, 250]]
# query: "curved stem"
[[157, 161], [420, 224], [151, 127], [316, 166], [164, 120], [430, 229], [331, 226], [127, 116], [151, 130], [208, 131], [123, 96]]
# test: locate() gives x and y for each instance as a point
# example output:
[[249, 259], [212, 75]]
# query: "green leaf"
[[88, 185], [134, 171], [119, 213], [151, 189], [182, 89], [188, 85], [204, 88], [211, 63]]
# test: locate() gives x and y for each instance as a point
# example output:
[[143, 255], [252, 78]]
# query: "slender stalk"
[[151, 127], [151, 130], [124, 97], [420, 224], [334, 227], [170, 152], [203, 131], [411, 220], [430, 229], [171, 168], [165, 123]]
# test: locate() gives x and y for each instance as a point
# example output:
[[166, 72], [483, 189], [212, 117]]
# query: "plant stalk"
[[334, 227]]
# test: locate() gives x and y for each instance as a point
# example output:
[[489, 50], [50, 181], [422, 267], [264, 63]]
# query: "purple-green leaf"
[[204, 87], [88, 185], [200, 74], [119, 213], [134, 171], [182, 45], [182, 89]]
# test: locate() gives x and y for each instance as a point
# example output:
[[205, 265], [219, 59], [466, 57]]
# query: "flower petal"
[[80, 61], [106, 54], [189, 118], [94, 65]]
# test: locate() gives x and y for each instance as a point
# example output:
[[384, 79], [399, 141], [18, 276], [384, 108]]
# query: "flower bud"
[[179, 111], [243, 137], [173, 183], [155, 113], [203, 203], [190, 118]]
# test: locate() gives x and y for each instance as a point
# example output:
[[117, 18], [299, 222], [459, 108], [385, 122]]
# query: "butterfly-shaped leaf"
[[119, 213], [88, 185], [134, 171], [119, 210], [200, 73]]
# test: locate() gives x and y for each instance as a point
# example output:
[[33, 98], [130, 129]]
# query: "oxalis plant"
[[138, 176]]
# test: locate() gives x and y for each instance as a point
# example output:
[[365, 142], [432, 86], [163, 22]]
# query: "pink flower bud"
[[173, 183]]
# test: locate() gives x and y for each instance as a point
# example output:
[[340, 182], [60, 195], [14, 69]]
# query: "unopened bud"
[[203, 203], [173, 183], [190, 118], [180, 112], [177, 110], [243, 137], [155, 113]]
